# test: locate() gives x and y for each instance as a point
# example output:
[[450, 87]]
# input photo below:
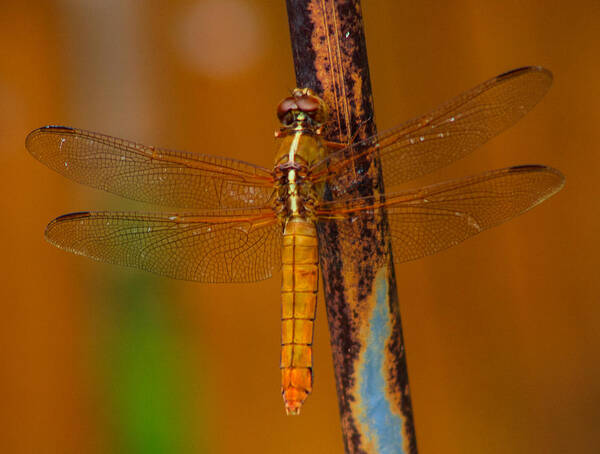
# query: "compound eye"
[[285, 106], [308, 103]]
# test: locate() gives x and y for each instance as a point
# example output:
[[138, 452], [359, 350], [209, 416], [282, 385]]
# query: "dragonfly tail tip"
[[292, 408]]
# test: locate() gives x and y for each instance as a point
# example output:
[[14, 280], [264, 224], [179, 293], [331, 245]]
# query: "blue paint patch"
[[383, 426]]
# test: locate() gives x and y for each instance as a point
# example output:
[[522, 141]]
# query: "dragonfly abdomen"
[[298, 304]]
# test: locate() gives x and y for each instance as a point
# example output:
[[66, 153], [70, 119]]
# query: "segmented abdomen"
[[298, 304]]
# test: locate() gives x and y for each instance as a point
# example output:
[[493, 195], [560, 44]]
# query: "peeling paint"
[[377, 415]]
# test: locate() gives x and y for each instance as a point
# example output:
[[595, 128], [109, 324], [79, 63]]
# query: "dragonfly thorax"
[[296, 193], [296, 196]]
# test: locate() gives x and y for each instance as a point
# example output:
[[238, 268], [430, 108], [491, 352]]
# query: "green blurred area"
[[145, 371]]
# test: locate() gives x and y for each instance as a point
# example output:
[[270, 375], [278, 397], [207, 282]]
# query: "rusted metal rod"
[[330, 57]]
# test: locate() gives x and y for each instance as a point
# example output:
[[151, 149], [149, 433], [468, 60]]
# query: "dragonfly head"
[[304, 109]]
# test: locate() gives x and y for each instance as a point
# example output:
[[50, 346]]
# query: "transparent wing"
[[236, 247], [433, 218], [148, 174], [444, 135]]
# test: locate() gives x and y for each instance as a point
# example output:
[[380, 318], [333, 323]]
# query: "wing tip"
[[554, 186], [539, 168], [64, 218], [74, 215], [43, 130], [527, 69]]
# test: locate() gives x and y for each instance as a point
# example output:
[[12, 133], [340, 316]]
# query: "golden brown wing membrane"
[[446, 134], [154, 175], [433, 218], [233, 246]]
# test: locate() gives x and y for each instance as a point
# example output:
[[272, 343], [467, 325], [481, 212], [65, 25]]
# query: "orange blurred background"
[[502, 332]]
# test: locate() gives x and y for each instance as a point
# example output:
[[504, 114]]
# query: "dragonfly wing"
[[433, 218], [148, 174], [444, 135], [234, 247]]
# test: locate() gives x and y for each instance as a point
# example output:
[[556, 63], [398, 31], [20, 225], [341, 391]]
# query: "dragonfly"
[[233, 221]]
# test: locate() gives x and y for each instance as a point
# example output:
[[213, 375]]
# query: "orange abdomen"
[[298, 304]]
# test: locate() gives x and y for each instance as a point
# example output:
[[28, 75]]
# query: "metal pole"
[[330, 57]]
